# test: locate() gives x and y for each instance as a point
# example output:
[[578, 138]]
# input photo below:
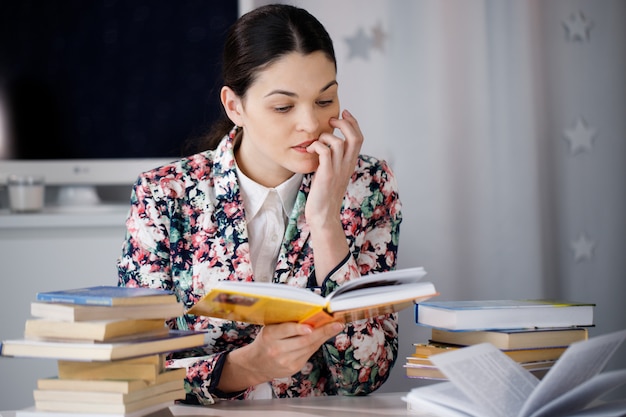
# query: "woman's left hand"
[[337, 161]]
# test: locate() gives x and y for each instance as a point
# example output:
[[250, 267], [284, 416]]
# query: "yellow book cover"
[[97, 397], [267, 303], [424, 369], [123, 386], [107, 407], [514, 338], [424, 350], [75, 351], [81, 313], [99, 330], [145, 368]]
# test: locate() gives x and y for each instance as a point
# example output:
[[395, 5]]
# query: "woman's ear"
[[232, 105]]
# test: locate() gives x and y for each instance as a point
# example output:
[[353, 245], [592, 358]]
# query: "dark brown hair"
[[256, 40]]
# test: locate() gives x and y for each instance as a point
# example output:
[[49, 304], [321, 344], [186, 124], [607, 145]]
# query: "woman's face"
[[286, 108]]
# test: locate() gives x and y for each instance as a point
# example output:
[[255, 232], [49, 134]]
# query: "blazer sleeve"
[[362, 356], [146, 261]]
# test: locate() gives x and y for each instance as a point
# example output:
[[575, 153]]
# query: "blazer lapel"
[[296, 256], [230, 216]]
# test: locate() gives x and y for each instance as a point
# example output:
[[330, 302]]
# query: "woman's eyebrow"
[[292, 94], [330, 84]]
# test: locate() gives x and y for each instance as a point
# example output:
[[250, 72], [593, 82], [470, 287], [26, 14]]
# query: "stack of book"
[[534, 333], [110, 344], [483, 381]]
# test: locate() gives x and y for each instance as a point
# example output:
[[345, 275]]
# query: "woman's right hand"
[[279, 350]]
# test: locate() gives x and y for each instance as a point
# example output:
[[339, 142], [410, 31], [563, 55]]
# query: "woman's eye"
[[282, 109], [324, 103]]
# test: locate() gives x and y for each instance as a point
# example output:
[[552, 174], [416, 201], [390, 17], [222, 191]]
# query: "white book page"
[[579, 363], [381, 295], [395, 277], [443, 399], [611, 409], [392, 281], [579, 397], [489, 377]]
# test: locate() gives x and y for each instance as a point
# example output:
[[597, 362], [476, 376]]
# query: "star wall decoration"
[[360, 44], [577, 27], [583, 248], [378, 37], [580, 137]]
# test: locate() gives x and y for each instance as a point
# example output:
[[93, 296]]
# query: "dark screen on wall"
[[110, 79]]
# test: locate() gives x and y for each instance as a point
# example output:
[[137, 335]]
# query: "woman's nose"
[[308, 120]]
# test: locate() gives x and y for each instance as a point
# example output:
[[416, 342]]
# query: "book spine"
[[75, 300]]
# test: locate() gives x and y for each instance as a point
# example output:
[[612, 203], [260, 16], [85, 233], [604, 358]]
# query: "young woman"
[[277, 197]]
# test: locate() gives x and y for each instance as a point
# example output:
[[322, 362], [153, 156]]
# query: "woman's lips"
[[301, 147]]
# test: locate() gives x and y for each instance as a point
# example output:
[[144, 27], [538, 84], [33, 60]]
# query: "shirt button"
[[274, 238]]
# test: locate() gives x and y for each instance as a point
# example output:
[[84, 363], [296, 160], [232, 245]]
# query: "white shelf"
[[52, 217]]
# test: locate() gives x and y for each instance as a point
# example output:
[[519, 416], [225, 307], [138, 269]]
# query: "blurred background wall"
[[504, 122]]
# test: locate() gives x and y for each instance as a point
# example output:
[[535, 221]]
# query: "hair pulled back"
[[256, 40]]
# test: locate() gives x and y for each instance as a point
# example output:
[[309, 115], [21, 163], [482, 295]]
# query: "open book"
[[266, 303], [483, 381]]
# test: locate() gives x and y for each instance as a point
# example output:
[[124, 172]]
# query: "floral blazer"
[[186, 230]]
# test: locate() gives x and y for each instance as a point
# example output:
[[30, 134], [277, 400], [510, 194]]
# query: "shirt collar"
[[254, 194]]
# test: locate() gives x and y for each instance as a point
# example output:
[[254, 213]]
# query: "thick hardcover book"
[[424, 369], [485, 382], [123, 386], [158, 410], [105, 295], [147, 368], [174, 341], [79, 406], [266, 303], [424, 350], [100, 330], [95, 397], [74, 312], [513, 339], [503, 314]]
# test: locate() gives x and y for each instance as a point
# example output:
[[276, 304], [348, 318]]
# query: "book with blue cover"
[[105, 295], [503, 314]]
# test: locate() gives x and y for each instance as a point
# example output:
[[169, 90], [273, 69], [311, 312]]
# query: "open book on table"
[[484, 382], [266, 303]]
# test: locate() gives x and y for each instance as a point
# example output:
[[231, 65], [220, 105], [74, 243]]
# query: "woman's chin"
[[306, 167]]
